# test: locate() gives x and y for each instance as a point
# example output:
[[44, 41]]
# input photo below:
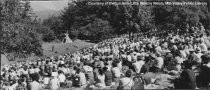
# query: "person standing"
[[61, 78]]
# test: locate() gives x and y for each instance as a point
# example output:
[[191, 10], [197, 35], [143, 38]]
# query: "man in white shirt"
[[116, 70], [203, 46], [139, 63], [87, 68], [54, 82], [31, 70], [36, 70], [46, 80], [61, 78], [160, 61], [83, 80], [78, 59], [198, 55]]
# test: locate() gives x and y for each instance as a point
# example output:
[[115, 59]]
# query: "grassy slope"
[[60, 48]]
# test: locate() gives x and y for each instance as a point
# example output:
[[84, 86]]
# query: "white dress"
[[101, 79], [82, 79]]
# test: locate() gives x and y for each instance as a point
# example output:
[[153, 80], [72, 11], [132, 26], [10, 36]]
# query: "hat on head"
[[191, 50], [52, 58], [140, 57], [198, 49], [98, 66], [54, 74], [174, 47], [39, 59], [153, 55]]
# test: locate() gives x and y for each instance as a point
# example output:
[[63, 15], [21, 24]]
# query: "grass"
[[59, 49], [63, 48]]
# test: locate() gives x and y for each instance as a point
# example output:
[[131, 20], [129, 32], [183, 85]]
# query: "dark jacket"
[[187, 80], [108, 78], [203, 79]]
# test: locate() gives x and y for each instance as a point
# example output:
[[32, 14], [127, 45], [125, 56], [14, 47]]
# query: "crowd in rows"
[[114, 63]]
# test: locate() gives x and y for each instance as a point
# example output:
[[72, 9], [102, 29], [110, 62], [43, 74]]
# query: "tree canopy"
[[23, 33], [134, 18], [18, 32]]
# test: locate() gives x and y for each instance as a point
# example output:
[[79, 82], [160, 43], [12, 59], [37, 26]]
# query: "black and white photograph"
[[104, 44]]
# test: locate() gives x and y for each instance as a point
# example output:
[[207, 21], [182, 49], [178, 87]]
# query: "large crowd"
[[118, 63]]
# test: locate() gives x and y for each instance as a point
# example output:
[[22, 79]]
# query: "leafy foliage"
[[178, 17], [97, 30], [53, 28], [18, 29], [79, 17], [121, 19], [22, 34]]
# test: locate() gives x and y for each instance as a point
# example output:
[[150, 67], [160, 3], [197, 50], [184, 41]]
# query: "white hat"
[[88, 68], [202, 40], [52, 57], [191, 49], [54, 74], [62, 62]]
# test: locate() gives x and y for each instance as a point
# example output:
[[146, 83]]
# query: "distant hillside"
[[45, 14], [44, 9]]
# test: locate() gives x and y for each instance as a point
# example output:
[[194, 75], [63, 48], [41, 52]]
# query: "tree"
[[80, 18], [132, 19], [54, 28], [18, 29], [123, 18], [177, 17], [97, 30]]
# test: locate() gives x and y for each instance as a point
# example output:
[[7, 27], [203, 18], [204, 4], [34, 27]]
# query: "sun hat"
[[198, 49], [54, 74]]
